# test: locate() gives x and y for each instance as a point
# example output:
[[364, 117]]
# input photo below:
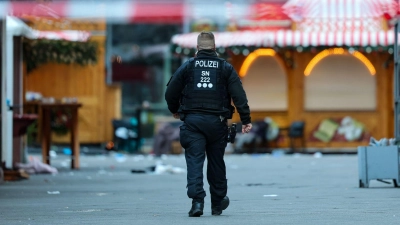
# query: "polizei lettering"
[[206, 63]]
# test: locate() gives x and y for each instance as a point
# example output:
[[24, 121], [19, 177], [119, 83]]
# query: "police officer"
[[200, 94]]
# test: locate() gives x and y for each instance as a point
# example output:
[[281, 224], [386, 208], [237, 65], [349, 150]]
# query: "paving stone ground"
[[263, 188]]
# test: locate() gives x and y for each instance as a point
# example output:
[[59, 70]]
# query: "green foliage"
[[41, 51]]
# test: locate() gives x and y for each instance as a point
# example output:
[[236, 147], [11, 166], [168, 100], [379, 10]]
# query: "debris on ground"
[[36, 166]]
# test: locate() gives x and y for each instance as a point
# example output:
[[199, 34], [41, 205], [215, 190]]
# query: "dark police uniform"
[[201, 91]]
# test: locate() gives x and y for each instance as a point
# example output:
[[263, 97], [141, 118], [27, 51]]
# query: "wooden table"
[[46, 130]]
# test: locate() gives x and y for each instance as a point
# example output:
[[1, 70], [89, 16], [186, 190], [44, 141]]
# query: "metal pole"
[[7, 95], [397, 80], [3, 91]]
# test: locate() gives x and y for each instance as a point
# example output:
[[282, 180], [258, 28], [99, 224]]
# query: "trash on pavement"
[[120, 157], [36, 166], [160, 169], [270, 195], [67, 151], [53, 154], [317, 155]]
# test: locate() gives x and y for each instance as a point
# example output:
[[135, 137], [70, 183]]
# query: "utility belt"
[[231, 132], [228, 114], [182, 117]]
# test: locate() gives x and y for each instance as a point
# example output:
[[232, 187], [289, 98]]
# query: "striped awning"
[[68, 35], [289, 38], [346, 9], [18, 27], [343, 15]]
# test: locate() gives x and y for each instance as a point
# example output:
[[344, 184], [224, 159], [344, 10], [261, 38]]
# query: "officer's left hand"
[[176, 115], [246, 128]]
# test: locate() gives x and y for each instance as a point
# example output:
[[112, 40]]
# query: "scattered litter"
[[270, 195], [53, 154], [36, 166], [382, 142], [101, 194], [125, 133], [139, 171], [317, 155], [120, 157], [67, 151], [160, 169], [296, 155], [254, 184], [53, 192]]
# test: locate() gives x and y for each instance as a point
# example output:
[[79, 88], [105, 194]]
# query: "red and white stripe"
[[325, 15], [288, 38], [325, 24], [176, 11], [122, 10], [69, 35], [340, 8]]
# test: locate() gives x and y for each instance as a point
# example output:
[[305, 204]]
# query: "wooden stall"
[[379, 122], [333, 70], [100, 102]]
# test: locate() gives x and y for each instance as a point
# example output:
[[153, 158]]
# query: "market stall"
[[333, 69], [11, 98]]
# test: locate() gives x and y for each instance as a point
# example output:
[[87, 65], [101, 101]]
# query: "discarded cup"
[[270, 195]]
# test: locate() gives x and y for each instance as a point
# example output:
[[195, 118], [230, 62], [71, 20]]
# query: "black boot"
[[216, 210], [197, 208]]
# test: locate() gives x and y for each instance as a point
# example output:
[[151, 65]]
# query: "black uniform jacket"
[[235, 89]]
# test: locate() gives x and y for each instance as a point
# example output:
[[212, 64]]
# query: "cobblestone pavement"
[[263, 188]]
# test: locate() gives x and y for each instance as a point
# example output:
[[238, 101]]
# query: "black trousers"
[[204, 135]]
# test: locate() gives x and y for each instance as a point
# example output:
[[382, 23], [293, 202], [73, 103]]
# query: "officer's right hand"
[[176, 115], [246, 128]]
